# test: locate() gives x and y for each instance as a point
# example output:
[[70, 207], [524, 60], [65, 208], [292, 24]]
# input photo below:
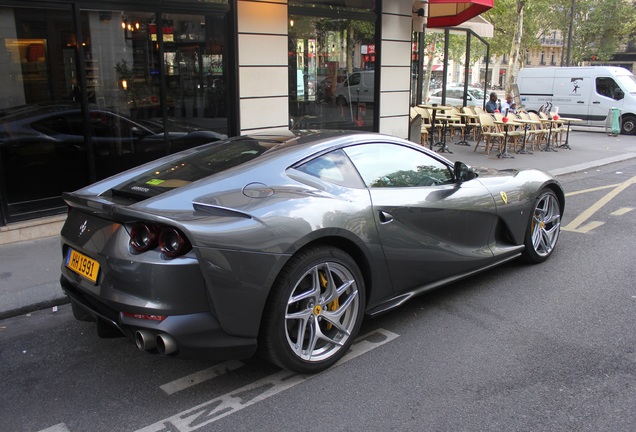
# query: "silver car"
[[455, 97], [282, 244]]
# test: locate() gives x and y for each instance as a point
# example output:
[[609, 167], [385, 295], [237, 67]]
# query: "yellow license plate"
[[82, 265]]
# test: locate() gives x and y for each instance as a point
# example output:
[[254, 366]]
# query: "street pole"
[[567, 61]]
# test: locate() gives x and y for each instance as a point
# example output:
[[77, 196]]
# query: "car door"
[[429, 226], [607, 94]]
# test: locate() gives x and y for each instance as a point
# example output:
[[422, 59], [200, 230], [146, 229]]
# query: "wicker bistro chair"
[[426, 123], [455, 125], [557, 128], [488, 130], [534, 130], [514, 133], [472, 123]]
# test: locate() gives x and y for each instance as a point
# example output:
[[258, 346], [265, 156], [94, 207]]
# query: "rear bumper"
[[196, 335]]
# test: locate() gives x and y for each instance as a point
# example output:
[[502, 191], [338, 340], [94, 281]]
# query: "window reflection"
[[389, 165], [331, 72]]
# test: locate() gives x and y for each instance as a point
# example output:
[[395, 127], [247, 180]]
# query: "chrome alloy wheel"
[[546, 224], [322, 312]]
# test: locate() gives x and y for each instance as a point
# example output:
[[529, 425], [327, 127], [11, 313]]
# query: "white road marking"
[[621, 211], [61, 427], [229, 403], [201, 376], [576, 224]]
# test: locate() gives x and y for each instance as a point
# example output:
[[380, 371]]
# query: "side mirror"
[[464, 172]]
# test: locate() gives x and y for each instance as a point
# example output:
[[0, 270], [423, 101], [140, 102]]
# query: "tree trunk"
[[513, 59]]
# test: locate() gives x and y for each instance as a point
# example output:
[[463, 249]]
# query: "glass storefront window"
[[332, 71], [40, 155], [124, 73], [155, 83]]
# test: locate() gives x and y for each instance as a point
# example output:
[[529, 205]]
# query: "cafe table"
[[506, 125], [552, 122], [466, 117], [568, 120], [435, 108], [526, 123]]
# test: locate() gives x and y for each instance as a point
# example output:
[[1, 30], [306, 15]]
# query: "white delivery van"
[[358, 87], [587, 93]]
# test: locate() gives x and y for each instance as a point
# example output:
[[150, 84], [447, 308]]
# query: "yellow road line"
[[591, 190], [583, 217], [621, 211]]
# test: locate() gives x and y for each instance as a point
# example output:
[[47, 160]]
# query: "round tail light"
[[172, 243], [143, 238]]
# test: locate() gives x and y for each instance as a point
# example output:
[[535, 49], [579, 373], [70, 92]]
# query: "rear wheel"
[[314, 311], [544, 226]]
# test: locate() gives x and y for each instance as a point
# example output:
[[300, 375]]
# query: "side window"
[[56, 125], [607, 87], [354, 79], [391, 165], [334, 167]]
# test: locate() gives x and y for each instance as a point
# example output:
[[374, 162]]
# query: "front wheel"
[[314, 311], [543, 228], [628, 125]]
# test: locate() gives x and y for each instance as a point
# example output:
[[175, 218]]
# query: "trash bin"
[[613, 122]]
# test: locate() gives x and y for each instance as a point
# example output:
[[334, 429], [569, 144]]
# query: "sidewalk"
[[30, 270]]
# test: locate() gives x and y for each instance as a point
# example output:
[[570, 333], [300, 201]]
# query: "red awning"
[[449, 13]]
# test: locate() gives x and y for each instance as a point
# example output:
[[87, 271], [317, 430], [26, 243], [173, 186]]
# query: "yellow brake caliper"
[[334, 304]]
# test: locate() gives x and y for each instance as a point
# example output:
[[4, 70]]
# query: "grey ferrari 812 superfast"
[[280, 244]]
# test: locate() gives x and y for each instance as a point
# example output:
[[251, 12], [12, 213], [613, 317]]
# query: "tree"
[[600, 28]]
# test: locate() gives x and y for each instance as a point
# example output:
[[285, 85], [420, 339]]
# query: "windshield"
[[477, 94], [628, 82], [211, 159]]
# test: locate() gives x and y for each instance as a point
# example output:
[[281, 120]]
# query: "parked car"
[[455, 97], [358, 87], [586, 93], [62, 125], [283, 243]]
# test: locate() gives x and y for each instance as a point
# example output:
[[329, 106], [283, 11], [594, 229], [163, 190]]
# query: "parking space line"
[[575, 225], [60, 427], [201, 376], [621, 211], [250, 394]]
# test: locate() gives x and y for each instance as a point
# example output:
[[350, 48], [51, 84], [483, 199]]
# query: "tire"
[[628, 125], [543, 228], [314, 311]]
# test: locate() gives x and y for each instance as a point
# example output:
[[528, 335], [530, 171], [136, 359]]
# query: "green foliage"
[[599, 26]]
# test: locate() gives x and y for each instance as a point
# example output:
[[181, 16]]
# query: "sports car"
[[281, 244]]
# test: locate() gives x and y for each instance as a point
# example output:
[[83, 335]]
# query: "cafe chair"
[[488, 130]]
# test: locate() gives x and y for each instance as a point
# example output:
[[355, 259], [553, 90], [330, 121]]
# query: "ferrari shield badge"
[[504, 197]]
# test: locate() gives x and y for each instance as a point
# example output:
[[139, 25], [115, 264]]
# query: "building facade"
[[94, 88]]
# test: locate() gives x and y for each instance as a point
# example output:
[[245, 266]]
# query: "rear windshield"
[[211, 159]]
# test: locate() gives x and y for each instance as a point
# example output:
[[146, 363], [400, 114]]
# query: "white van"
[[587, 93], [358, 87]]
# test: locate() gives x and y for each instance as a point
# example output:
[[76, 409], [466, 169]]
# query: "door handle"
[[581, 102], [596, 102], [385, 217]]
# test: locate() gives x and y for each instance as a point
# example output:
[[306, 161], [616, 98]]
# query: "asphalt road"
[[549, 347]]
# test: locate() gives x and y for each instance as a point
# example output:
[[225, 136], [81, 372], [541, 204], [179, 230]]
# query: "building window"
[[332, 67], [542, 60]]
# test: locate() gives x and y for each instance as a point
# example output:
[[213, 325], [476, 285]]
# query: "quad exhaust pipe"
[[166, 345], [162, 343], [145, 340]]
